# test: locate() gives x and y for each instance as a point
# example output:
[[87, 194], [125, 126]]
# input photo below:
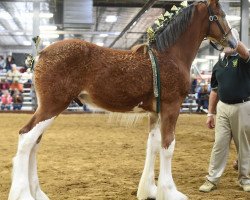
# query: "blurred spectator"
[[4, 85], [17, 100], [203, 96], [13, 76], [9, 61], [209, 85], [2, 63], [23, 68], [26, 78], [193, 84], [6, 100]]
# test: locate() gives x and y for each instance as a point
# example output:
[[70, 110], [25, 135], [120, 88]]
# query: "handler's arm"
[[213, 100], [243, 51]]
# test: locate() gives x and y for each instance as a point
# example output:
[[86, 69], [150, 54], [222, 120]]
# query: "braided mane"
[[167, 34]]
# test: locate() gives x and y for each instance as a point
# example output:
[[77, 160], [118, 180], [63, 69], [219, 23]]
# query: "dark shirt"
[[231, 78], [17, 98]]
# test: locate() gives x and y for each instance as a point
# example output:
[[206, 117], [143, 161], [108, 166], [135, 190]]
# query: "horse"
[[120, 81]]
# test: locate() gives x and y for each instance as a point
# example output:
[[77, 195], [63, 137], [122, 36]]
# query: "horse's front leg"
[[166, 187], [147, 188]]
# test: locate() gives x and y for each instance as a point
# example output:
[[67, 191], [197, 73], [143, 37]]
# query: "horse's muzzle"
[[232, 43]]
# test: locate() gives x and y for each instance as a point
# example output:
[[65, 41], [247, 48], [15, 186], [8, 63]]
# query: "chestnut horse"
[[120, 81]]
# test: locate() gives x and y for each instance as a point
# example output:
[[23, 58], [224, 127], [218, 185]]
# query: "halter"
[[214, 18]]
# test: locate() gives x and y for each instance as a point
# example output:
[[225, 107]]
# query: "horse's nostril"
[[232, 44]]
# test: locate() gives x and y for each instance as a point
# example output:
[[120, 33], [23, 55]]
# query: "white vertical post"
[[36, 23], [244, 24], [36, 32]]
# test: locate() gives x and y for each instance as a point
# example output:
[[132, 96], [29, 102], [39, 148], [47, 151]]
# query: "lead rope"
[[156, 79]]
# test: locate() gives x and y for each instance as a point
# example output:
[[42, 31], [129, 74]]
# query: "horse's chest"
[[174, 80]]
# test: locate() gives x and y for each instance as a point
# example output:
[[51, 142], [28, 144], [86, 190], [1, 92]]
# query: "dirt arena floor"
[[84, 157]]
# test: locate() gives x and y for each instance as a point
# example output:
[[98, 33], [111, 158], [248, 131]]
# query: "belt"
[[237, 101]]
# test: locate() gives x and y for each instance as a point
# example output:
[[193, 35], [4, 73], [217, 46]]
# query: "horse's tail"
[[126, 119]]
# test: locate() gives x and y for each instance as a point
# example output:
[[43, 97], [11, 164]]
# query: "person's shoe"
[[245, 187], [207, 186]]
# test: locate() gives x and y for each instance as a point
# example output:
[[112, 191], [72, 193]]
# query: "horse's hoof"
[[40, 195], [181, 196], [147, 193]]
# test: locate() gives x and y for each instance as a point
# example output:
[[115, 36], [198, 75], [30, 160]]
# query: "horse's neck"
[[188, 45]]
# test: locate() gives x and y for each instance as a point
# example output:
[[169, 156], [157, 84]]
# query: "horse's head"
[[219, 30]]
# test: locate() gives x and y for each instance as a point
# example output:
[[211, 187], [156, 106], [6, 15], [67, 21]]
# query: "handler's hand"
[[210, 122]]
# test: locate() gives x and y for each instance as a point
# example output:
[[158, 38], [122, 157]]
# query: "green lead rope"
[[156, 79]]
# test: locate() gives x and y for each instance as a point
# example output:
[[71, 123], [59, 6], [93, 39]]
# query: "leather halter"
[[214, 18]]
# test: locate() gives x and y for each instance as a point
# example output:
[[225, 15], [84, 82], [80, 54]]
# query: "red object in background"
[[4, 85], [6, 99]]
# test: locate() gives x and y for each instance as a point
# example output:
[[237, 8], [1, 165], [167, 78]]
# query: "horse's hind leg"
[[20, 188], [147, 188], [35, 189], [25, 184]]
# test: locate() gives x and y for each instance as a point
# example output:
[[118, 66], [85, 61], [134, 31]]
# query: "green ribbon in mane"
[[156, 79]]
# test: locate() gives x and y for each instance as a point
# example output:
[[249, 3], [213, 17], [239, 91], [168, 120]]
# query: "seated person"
[[13, 77], [2, 63], [26, 78], [4, 85], [203, 96], [6, 100], [9, 61], [17, 100]]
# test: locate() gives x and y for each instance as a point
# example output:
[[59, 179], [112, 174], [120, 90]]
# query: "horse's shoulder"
[[140, 48]]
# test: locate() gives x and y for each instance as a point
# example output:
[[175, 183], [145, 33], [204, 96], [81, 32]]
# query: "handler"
[[230, 85]]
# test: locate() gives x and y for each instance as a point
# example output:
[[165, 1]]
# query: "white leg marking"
[[20, 187], [35, 189], [166, 186], [147, 187]]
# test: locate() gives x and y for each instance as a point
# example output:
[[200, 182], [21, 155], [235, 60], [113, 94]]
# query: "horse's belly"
[[116, 106]]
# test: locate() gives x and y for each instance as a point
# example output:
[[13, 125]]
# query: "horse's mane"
[[166, 35]]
